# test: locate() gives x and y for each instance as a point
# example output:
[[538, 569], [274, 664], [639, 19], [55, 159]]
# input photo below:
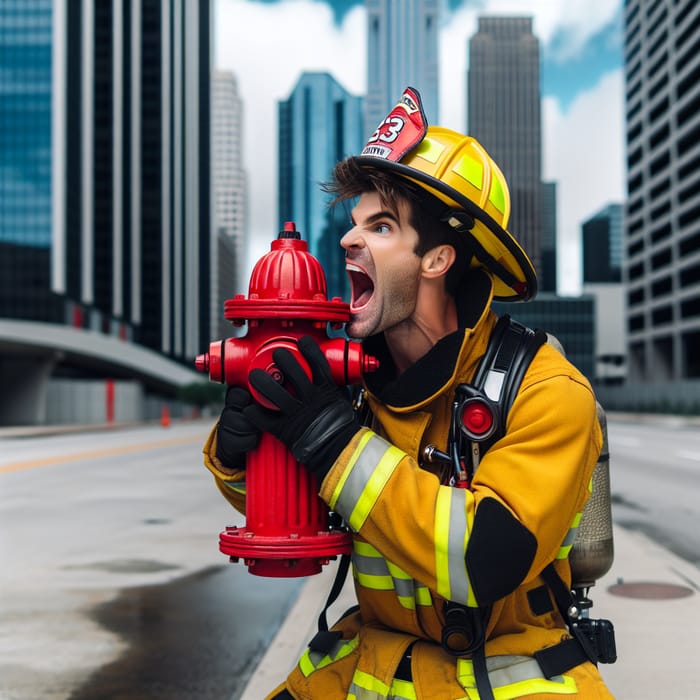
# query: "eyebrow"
[[383, 214]]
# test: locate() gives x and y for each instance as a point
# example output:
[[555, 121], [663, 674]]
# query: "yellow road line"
[[97, 454]]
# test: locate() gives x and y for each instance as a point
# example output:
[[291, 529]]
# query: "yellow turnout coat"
[[419, 542]]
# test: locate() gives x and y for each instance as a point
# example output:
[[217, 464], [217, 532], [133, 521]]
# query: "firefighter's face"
[[383, 267]]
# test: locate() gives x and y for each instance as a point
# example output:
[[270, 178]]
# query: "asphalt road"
[[112, 586]]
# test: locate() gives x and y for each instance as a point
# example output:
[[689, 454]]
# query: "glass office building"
[[26, 160], [319, 125], [104, 168]]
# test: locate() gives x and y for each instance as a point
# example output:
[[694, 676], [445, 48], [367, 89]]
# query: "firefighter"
[[449, 580]]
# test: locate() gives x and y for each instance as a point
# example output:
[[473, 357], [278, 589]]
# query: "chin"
[[358, 329]]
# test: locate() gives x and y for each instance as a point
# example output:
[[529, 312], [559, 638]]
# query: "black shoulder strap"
[[510, 351], [337, 586]]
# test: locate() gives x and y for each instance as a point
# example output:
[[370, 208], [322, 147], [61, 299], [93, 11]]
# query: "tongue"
[[364, 296]]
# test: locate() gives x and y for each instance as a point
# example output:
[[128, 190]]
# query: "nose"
[[352, 239]]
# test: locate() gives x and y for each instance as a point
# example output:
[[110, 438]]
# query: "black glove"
[[235, 435], [316, 421]]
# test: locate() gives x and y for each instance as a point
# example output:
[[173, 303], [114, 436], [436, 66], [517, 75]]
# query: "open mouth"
[[362, 286]]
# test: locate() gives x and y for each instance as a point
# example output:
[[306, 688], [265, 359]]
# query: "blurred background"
[[150, 151]]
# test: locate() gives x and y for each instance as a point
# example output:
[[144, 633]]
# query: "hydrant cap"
[[288, 271], [287, 282]]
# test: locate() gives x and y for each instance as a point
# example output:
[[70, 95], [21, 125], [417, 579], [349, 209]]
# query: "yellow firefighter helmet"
[[458, 171]]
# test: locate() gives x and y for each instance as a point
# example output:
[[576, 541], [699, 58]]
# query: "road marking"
[[97, 454], [687, 454]]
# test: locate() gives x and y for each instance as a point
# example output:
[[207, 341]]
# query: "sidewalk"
[[657, 636]]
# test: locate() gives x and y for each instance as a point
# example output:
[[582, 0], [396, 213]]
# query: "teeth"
[[354, 268]]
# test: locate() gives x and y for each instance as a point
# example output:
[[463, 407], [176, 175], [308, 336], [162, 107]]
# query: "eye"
[[382, 228]]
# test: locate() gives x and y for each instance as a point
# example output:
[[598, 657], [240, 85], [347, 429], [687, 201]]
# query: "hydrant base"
[[286, 556]]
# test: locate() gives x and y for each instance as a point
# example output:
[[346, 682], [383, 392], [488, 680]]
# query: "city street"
[[655, 480], [112, 585]]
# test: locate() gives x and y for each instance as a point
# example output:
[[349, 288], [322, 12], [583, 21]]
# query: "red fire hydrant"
[[287, 530]]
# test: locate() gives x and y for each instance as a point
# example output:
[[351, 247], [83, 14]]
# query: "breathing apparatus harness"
[[479, 413]]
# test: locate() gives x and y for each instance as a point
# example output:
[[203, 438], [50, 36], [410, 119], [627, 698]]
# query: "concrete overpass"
[[31, 351]]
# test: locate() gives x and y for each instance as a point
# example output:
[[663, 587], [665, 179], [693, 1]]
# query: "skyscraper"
[[662, 217], [402, 50], [547, 281], [504, 116], [319, 124], [229, 195], [104, 185], [602, 245], [228, 176], [26, 178]]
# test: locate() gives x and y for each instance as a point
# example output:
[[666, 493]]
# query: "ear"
[[438, 260]]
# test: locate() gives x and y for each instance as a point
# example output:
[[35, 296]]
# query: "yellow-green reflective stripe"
[[471, 170], [375, 583], [430, 150], [514, 677], [370, 467], [311, 661], [570, 538], [397, 572], [402, 690], [367, 687], [442, 528], [497, 196], [423, 596], [366, 549], [451, 535]]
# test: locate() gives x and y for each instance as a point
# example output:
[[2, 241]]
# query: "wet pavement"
[[197, 637]]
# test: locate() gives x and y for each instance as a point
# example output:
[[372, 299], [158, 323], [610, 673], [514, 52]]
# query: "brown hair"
[[350, 179]]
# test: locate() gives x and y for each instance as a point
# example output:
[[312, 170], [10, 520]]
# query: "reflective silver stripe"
[[375, 566], [364, 478], [514, 677], [451, 536]]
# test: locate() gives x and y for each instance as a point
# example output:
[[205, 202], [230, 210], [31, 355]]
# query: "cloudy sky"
[[268, 43]]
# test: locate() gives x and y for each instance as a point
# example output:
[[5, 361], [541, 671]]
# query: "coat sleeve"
[[230, 482], [477, 545]]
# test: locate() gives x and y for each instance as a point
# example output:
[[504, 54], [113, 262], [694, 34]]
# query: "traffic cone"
[[165, 416]]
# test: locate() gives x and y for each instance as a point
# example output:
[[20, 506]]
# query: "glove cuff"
[[321, 443]]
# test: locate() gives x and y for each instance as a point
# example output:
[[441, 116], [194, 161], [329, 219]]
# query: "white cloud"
[[562, 26], [583, 153], [268, 47]]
